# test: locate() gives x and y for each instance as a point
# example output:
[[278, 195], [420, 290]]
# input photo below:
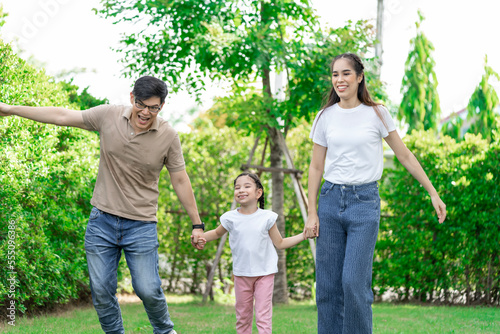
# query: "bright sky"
[[66, 34]]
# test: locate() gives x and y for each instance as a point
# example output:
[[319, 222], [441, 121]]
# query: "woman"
[[347, 135]]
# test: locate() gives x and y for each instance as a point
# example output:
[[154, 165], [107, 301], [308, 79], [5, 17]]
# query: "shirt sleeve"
[[175, 160], [271, 220], [94, 117], [318, 130], [389, 122], [226, 223]]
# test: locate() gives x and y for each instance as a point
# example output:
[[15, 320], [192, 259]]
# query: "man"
[[135, 144]]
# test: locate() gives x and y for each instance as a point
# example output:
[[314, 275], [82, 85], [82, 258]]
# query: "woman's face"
[[345, 80]]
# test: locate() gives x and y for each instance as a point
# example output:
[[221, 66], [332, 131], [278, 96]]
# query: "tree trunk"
[[280, 295], [194, 283]]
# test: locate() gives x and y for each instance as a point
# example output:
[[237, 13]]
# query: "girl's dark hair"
[[147, 86], [363, 94], [256, 179]]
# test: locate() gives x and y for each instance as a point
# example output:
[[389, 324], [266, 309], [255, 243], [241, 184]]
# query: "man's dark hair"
[[147, 86]]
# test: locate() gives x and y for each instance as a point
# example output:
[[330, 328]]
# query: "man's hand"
[[4, 109], [200, 244], [195, 238]]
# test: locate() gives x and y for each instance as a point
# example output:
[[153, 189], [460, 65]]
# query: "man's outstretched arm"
[[50, 115], [182, 187]]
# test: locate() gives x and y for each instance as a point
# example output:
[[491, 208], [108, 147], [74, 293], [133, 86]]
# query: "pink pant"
[[246, 289]]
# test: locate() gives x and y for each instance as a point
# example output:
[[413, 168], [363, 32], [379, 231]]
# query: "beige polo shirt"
[[130, 163]]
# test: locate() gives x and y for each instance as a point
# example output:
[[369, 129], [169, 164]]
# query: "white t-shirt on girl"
[[354, 141], [253, 250]]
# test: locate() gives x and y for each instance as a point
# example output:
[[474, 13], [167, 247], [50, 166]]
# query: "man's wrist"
[[199, 226]]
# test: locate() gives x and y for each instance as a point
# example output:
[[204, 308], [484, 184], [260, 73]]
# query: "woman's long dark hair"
[[256, 179], [363, 94]]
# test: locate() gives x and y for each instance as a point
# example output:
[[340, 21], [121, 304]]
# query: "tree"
[[241, 41], [482, 105], [420, 105]]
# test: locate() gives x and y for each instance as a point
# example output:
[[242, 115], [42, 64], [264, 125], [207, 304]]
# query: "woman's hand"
[[311, 229], [440, 207]]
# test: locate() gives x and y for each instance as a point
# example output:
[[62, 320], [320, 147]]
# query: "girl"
[[347, 135], [252, 233]]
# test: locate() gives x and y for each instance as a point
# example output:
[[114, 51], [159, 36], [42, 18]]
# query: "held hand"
[[200, 244], [4, 109], [196, 235], [311, 229], [440, 207]]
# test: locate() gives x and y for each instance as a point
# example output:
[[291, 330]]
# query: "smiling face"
[[345, 82], [142, 118], [246, 192]]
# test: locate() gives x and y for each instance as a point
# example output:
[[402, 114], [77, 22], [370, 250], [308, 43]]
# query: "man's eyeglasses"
[[142, 106]]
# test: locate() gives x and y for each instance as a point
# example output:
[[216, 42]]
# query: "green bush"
[[46, 180], [457, 261]]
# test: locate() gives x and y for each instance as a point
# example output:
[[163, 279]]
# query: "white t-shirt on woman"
[[252, 248], [354, 141]]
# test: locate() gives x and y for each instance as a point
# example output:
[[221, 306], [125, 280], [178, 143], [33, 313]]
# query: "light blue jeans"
[[107, 235], [349, 219]]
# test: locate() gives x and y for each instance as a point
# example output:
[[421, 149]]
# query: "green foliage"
[[482, 105], [420, 105], [299, 260], [309, 81], [311, 77], [46, 179], [83, 100], [421, 259], [453, 128], [188, 40], [241, 41]]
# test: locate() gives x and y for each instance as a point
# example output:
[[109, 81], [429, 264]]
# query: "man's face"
[[144, 112]]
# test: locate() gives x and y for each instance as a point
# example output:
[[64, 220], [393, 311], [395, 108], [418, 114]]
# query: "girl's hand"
[[440, 207], [200, 243], [311, 229]]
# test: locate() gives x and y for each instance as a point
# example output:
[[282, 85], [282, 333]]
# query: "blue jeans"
[[349, 220], [107, 235]]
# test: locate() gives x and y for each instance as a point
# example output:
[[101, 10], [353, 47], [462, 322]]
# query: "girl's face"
[[345, 80], [246, 192]]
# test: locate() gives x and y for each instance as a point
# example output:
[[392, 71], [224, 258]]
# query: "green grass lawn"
[[191, 317]]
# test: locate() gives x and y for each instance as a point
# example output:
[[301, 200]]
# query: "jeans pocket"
[[325, 189], [368, 195], [95, 213]]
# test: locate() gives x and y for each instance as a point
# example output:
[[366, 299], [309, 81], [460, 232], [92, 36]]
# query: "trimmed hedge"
[[459, 260], [46, 180]]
